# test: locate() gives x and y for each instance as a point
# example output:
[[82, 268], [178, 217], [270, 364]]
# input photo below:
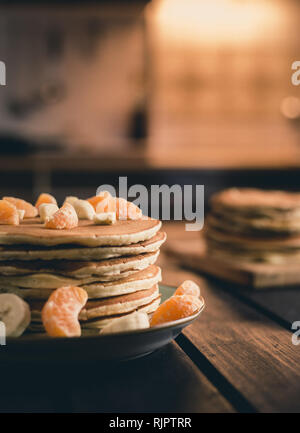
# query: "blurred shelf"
[[80, 173], [186, 157], [221, 157], [225, 147], [225, 144], [124, 6], [74, 161], [66, 2]]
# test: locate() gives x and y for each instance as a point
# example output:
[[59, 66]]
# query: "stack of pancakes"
[[115, 264], [254, 225]]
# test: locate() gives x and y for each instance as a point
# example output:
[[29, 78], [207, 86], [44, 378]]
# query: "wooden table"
[[235, 358]]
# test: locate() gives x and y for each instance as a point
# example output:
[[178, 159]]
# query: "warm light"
[[290, 107], [217, 21]]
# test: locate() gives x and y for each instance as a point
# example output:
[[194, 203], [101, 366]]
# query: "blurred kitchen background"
[[163, 91]]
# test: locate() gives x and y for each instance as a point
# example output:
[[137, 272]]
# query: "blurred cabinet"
[[75, 70], [221, 71]]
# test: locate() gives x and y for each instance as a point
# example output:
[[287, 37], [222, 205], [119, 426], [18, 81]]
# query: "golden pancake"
[[113, 263], [53, 280], [98, 323], [280, 257], [231, 240], [258, 200], [252, 226], [78, 269], [109, 306], [100, 311], [140, 280], [32, 232], [77, 252]]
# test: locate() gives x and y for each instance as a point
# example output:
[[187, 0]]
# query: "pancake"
[[257, 227], [79, 269], [242, 247], [283, 243], [103, 321], [107, 308], [32, 232], [140, 280], [256, 212], [96, 324], [285, 217], [254, 225], [113, 263], [256, 201], [280, 257], [75, 274], [75, 252], [110, 305]]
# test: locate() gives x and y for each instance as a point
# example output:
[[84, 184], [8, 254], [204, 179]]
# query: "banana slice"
[[131, 322], [84, 209], [46, 210], [14, 313], [21, 213], [71, 199], [105, 218]]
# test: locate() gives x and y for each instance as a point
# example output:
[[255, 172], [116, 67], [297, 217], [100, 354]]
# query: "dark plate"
[[129, 345]]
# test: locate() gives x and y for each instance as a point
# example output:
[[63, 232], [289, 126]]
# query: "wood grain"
[[281, 304], [165, 381], [253, 353]]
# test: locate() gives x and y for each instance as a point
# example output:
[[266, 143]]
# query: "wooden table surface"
[[235, 358]]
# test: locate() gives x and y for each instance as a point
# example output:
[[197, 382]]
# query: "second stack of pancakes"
[[254, 225], [114, 264]]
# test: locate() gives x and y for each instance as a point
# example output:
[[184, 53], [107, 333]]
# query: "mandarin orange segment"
[[188, 287], [121, 208], [176, 307], [106, 205], [65, 218], [8, 213], [30, 211], [103, 196], [134, 212], [60, 312], [45, 198], [126, 210]]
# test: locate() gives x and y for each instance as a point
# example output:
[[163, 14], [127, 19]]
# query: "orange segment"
[[104, 197], [174, 308], [65, 218], [106, 205], [126, 210], [60, 312], [134, 212], [30, 211], [121, 209], [45, 198], [8, 213], [188, 287]]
